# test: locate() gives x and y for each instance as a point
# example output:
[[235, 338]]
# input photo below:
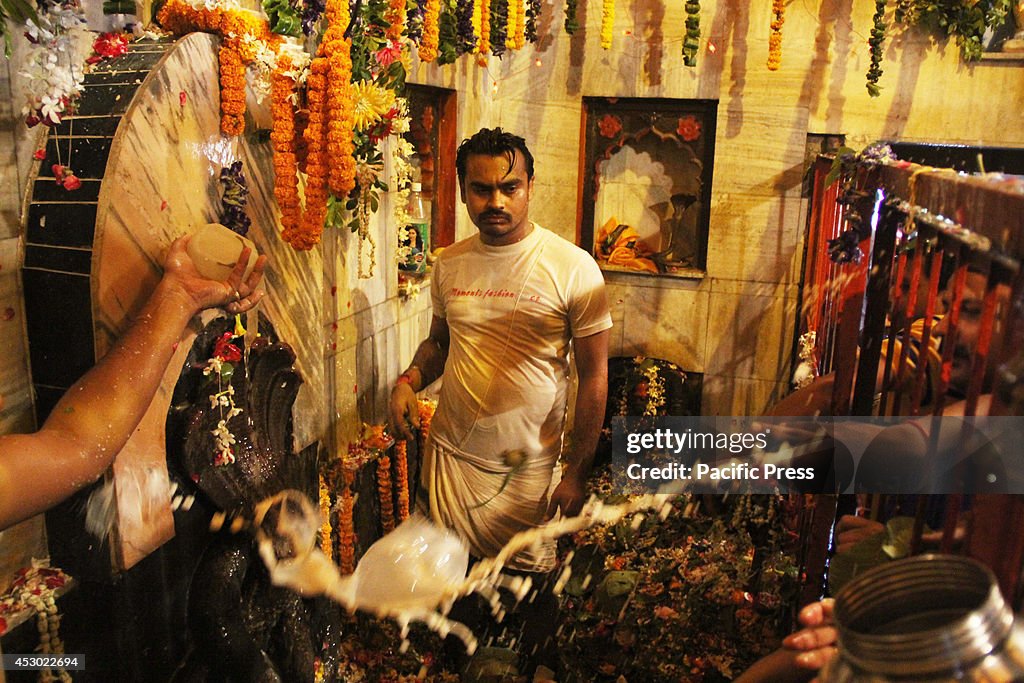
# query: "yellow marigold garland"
[[386, 493], [607, 23], [325, 517], [775, 37], [431, 31], [478, 9], [512, 27], [520, 33], [402, 479]]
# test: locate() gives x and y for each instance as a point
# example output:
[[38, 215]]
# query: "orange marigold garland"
[[325, 519], [346, 526], [402, 479], [306, 235], [484, 45], [282, 141], [386, 493], [431, 31], [395, 17], [337, 49], [237, 28], [427, 408], [775, 37]]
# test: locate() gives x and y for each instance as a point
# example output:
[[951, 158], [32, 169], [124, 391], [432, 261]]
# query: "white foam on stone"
[[417, 571]]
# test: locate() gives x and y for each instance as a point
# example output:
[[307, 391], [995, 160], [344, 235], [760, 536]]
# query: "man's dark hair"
[[493, 142]]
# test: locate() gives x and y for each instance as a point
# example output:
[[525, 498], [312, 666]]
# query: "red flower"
[[386, 56], [225, 350], [39, 154], [71, 182], [54, 581], [58, 171], [182, 98], [110, 45], [609, 125], [689, 128], [3, 626]]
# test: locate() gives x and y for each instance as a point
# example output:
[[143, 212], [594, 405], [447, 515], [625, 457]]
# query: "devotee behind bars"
[[508, 302], [93, 420]]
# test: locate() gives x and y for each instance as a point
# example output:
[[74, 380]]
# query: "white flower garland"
[[55, 69], [223, 398], [35, 588]]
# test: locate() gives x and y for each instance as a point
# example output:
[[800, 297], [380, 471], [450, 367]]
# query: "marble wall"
[[736, 324]]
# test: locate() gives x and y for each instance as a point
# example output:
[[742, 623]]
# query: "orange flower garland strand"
[[431, 31], [232, 91], [775, 37], [402, 479], [233, 26], [325, 517], [386, 493], [426, 410], [484, 46], [282, 142], [346, 526], [307, 235], [395, 17], [341, 165]]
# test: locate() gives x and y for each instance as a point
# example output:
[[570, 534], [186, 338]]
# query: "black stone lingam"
[[241, 626]]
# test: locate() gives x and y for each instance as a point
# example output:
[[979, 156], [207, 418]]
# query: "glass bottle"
[[415, 236]]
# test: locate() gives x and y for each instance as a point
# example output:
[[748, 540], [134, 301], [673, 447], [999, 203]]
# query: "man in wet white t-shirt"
[[509, 303]]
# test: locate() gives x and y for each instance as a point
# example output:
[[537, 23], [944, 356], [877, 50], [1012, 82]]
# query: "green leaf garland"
[[691, 41], [876, 41]]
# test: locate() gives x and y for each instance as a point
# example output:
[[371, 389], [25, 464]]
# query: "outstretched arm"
[[591, 355], [94, 419]]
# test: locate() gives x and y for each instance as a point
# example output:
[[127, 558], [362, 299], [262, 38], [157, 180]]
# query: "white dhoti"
[[463, 495]]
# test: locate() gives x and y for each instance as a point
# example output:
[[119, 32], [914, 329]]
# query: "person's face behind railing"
[[968, 332]]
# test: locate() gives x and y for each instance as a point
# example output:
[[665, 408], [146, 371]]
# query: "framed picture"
[[645, 198]]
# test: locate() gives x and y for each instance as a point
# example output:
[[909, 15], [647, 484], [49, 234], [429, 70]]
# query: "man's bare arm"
[[94, 419], [591, 354], [427, 365]]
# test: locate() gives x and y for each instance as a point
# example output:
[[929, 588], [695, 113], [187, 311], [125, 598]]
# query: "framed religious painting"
[[645, 195]]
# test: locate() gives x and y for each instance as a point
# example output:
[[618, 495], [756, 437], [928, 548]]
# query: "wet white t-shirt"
[[512, 312]]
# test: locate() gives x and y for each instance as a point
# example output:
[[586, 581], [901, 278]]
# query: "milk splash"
[[416, 572]]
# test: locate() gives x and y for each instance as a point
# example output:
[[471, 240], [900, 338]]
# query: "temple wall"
[[736, 325]]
